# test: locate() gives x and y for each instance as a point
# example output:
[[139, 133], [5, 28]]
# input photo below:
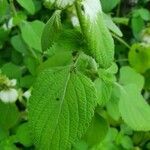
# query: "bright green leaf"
[[127, 142], [31, 64], [96, 131], [137, 24], [112, 26], [112, 105], [51, 30], [19, 44], [60, 4], [98, 38], [59, 59], [62, 104], [109, 4], [130, 76], [31, 34], [144, 13], [139, 57], [28, 5], [134, 109]]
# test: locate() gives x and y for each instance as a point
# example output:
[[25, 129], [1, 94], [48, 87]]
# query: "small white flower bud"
[[27, 94], [75, 21], [13, 82], [9, 96]]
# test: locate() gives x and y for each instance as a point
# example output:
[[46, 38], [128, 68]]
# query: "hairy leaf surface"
[[61, 107], [98, 37], [61, 4], [51, 30], [64, 3]]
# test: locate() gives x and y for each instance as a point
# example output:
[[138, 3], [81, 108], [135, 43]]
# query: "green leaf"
[[96, 131], [144, 13], [68, 40], [112, 105], [63, 3], [51, 30], [59, 4], [112, 26], [27, 81], [127, 142], [134, 109], [4, 9], [11, 70], [99, 40], [4, 134], [19, 44], [60, 108], [7, 145], [137, 24], [59, 59], [3, 35], [31, 34], [147, 79], [28, 5], [109, 4], [31, 64], [9, 115], [104, 84], [139, 57], [104, 90], [23, 135], [130, 76]]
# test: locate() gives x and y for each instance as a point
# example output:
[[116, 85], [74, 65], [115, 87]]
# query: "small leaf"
[[60, 4], [104, 84], [144, 13], [62, 104], [129, 76], [104, 90], [112, 26], [23, 135], [59, 59], [96, 131], [63, 3], [109, 4], [19, 44], [127, 142], [31, 33], [31, 64], [51, 30], [28, 5], [9, 115], [137, 24], [112, 105], [134, 109], [11, 70], [139, 57]]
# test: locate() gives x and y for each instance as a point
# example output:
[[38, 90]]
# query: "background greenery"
[[21, 58]]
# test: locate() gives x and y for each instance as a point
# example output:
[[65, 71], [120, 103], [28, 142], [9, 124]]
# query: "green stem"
[[12, 6], [121, 20], [121, 41], [121, 60], [118, 9], [80, 16]]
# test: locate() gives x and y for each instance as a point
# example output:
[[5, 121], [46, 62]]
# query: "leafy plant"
[[72, 76]]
